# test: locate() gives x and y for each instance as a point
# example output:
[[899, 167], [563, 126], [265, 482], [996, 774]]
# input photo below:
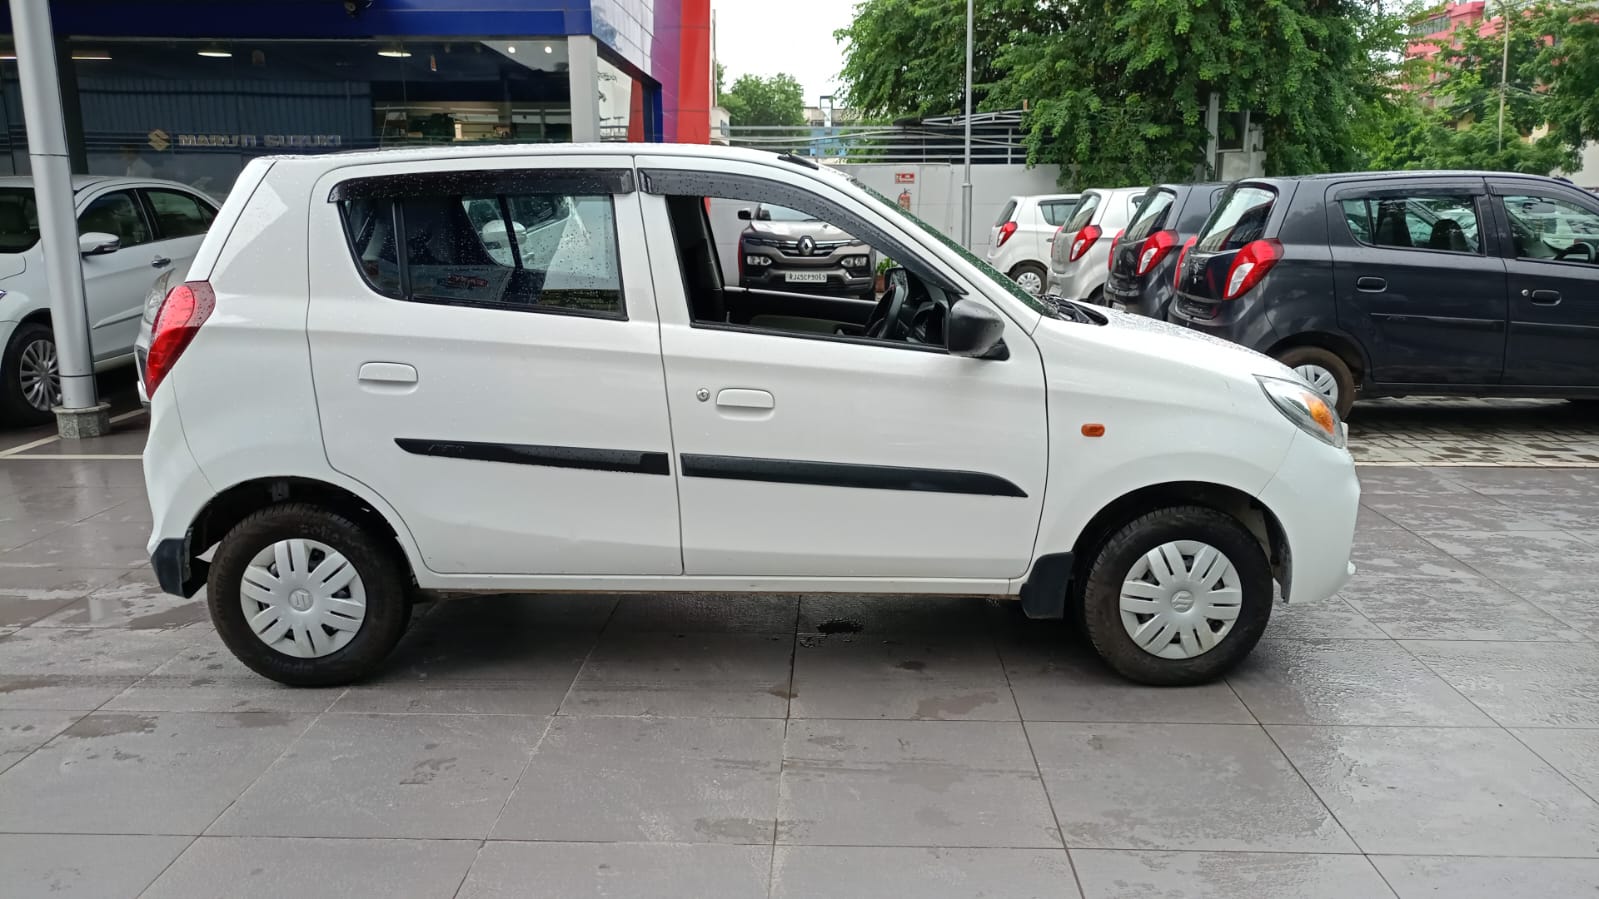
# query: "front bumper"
[[1316, 499], [838, 280]]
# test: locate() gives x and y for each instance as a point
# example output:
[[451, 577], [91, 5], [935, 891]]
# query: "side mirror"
[[975, 331], [98, 243], [745, 215]]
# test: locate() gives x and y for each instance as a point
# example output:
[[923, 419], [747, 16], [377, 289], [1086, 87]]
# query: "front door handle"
[[1543, 297], [741, 398], [387, 373], [1371, 285], [160, 262]]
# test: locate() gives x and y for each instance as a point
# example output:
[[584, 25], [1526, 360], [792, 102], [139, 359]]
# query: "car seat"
[[1448, 235]]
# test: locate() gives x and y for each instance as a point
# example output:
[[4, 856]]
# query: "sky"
[[765, 37]]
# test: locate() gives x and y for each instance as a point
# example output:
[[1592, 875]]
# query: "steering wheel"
[[890, 306], [1578, 249]]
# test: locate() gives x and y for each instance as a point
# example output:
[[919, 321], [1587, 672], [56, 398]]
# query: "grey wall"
[[936, 191]]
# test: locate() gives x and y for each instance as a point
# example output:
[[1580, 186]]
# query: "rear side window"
[[1151, 215], [1434, 222], [1084, 213], [1056, 212], [19, 219], [1239, 220], [1006, 213], [526, 251], [179, 214]]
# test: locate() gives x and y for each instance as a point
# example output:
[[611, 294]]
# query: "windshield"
[[784, 214], [19, 219], [993, 274]]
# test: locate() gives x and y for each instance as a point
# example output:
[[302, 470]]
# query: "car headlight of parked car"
[[1304, 407], [855, 261]]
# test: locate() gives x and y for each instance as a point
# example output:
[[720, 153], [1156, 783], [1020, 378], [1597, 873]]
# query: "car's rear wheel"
[[1030, 276], [1178, 596], [30, 375], [1325, 371], [307, 597]]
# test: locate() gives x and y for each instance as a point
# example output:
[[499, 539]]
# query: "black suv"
[[782, 249], [1396, 283], [1145, 257]]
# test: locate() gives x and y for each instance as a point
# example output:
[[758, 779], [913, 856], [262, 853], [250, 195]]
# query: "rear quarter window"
[[1151, 215], [1005, 213], [1238, 220], [1084, 213]]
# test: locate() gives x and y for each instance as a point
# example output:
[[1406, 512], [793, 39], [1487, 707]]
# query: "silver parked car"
[[1079, 259]]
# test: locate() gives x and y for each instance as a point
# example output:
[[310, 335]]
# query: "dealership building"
[[193, 89]]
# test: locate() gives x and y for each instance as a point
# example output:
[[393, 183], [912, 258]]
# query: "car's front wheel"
[[307, 597], [30, 375], [1177, 596]]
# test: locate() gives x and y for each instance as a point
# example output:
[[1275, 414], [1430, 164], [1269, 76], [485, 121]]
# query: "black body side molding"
[[625, 461], [838, 474]]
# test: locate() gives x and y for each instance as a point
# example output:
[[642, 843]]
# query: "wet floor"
[[1433, 731]]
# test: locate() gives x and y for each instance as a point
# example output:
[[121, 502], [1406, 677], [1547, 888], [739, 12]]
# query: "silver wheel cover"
[[1030, 282], [1320, 379], [303, 598], [39, 374], [1181, 599]]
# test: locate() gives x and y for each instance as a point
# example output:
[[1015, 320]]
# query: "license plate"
[[805, 277]]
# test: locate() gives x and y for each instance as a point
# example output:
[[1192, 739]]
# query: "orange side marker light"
[[1093, 430]]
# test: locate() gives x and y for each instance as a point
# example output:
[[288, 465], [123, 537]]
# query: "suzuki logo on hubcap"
[[300, 600], [1182, 601]]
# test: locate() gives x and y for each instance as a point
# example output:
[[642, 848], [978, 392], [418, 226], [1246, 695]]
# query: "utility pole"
[[81, 414], [1504, 72], [966, 182]]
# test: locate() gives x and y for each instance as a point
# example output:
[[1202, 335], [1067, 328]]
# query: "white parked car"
[[373, 401], [131, 230], [1018, 244], [1079, 259]]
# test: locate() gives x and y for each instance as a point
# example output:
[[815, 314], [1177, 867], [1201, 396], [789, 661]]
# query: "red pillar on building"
[[694, 86]]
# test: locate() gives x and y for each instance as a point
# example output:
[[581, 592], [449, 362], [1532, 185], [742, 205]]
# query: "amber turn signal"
[[1092, 430]]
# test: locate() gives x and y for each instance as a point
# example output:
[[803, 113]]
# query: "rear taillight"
[[1084, 239], [1110, 261], [1005, 231], [182, 313], [1177, 279], [1155, 248], [1250, 265]]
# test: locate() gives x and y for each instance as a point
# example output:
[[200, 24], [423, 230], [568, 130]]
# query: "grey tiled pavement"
[[1433, 731]]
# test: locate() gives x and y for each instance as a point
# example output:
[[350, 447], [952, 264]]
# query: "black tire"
[[379, 564], [1293, 357], [1096, 297], [1114, 561], [14, 407], [1031, 268]]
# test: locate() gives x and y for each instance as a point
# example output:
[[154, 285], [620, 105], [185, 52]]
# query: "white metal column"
[[583, 74], [81, 414]]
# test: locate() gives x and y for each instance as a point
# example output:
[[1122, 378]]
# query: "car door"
[[181, 220], [1416, 282], [115, 284], [1553, 240], [807, 454], [504, 394]]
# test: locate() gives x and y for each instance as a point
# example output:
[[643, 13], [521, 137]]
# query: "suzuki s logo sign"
[[160, 141], [807, 246]]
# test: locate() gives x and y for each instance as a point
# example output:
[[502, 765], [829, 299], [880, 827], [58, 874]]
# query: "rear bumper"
[[1241, 321], [1316, 499]]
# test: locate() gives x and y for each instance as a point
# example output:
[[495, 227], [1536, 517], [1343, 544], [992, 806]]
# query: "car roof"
[[80, 183], [1402, 176], [480, 151]]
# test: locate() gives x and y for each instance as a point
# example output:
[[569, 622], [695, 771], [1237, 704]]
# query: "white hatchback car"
[[131, 230], [1079, 259], [354, 398], [1018, 244]]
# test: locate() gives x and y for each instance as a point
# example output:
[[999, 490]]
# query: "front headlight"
[[1304, 407]]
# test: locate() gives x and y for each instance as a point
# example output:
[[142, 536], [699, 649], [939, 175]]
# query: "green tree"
[[1567, 67], [775, 101]]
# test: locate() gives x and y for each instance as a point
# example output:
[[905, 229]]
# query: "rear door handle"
[[160, 262], [1371, 285], [388, 373], [1543, 297], [742, 398]]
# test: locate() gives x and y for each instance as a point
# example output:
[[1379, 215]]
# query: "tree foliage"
[[1567, 68], [1118, 88], [774, 101]]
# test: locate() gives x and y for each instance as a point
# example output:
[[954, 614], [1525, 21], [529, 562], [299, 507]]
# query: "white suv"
[[1018, 244], [365, 390], [1079, 259]]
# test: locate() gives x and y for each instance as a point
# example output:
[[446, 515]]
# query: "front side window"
[[525, 251], [1239, 220], [1151, 216], [118, 214], [179, 214], [1553, 229], [19, 220], [1443, 222]]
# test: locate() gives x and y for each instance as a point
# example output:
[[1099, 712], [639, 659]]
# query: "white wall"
[[1587, 173]]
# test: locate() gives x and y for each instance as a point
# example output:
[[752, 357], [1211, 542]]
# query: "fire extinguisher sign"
[[904, 177]]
